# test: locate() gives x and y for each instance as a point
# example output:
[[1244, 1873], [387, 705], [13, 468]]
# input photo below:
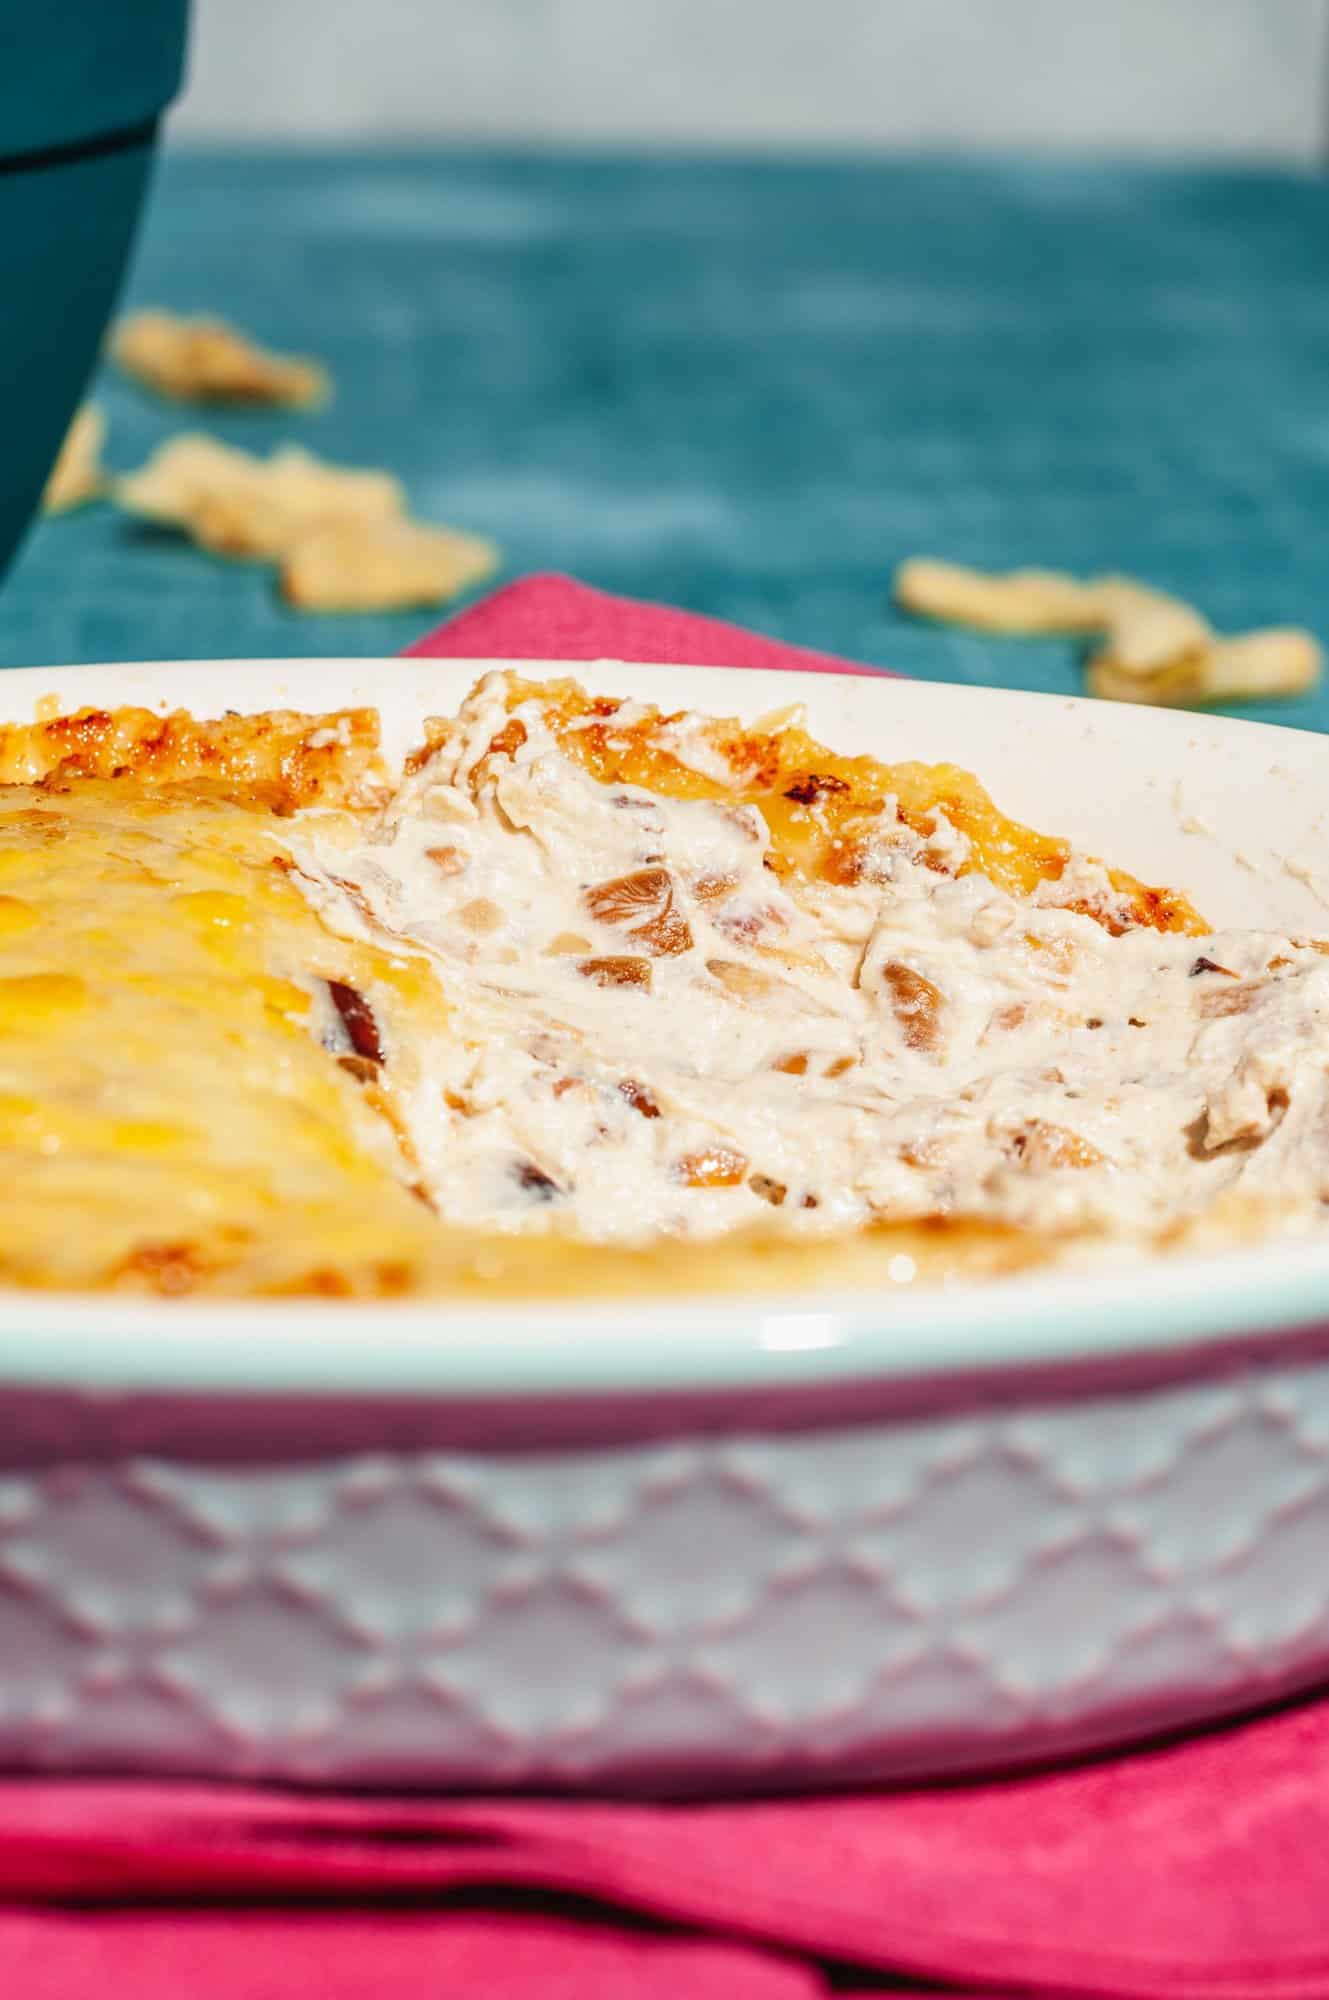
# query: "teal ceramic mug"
[[83, 84]]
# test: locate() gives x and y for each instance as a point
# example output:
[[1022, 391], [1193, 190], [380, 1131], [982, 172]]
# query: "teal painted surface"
[[751, 389]]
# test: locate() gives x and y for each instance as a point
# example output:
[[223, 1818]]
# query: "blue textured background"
[[750, 389]]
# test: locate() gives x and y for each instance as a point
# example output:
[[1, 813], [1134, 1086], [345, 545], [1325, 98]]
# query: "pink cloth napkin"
[[1196, 1872], [553, 618]]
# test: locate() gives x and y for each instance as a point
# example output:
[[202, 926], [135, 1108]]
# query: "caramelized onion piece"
[[1203, 964], [617, 971], [481, 915], [918, 1005], [745, 982], [1228, 1000], [357, 1017], [644, 901], [534, 1180], [710, 888], [665, 936], [448, 860], [629, 898]]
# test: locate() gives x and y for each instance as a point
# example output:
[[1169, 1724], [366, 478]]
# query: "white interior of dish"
[[1233, 813]]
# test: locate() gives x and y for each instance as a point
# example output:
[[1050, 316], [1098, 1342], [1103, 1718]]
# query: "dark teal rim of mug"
[[141, 134]]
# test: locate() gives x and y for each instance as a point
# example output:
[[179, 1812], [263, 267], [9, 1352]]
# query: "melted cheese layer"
[[168, 1113]]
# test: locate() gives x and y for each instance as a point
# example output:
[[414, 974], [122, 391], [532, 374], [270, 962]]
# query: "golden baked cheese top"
[[827, 814]]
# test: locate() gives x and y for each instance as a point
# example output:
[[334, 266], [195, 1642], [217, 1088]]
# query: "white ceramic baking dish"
[[807, 1539]]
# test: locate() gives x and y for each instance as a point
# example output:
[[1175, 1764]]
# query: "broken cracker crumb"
[[236, 504], [77, 475], [1021, 601], [382, 565], [205, 360], [1146, 631], [1155, 648], [1270, 663]]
